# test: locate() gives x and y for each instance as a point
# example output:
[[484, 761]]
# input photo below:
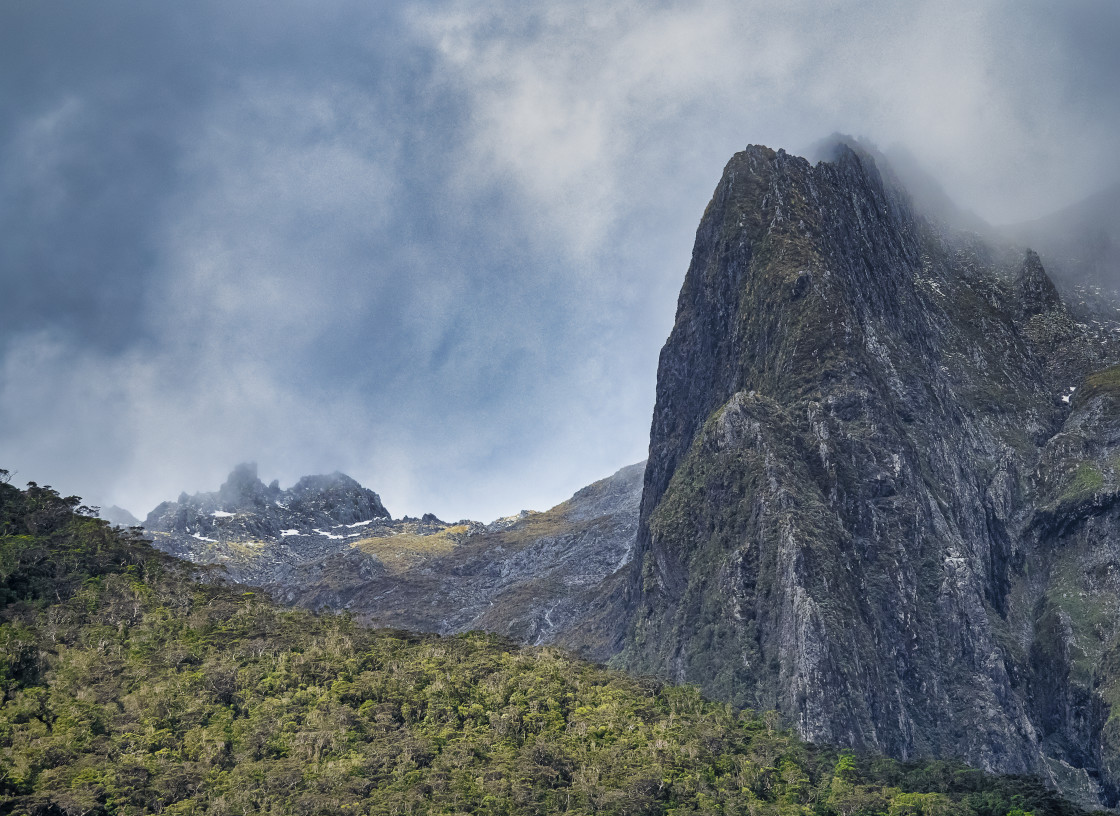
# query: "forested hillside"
[[133, 683]]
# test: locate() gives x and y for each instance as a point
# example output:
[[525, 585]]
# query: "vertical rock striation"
[[866, 472]]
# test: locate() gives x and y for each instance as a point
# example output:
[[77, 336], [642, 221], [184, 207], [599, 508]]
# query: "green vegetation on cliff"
[[131, 684], [1101, 382]]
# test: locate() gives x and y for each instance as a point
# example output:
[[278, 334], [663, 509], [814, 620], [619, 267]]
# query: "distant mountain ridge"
[[329, 542], [244, 507], [118, 516], [132, 684]]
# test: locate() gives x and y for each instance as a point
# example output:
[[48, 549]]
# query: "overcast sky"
[[437, 246]]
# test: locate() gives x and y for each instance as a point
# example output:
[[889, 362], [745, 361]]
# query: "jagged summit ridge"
[[858, 411], [244, 505]]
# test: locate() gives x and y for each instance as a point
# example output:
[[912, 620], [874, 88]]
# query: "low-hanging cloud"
[[438, 247], [572, 101]]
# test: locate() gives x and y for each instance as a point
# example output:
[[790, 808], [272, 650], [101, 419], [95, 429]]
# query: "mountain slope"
[[537, 577], [858, 498], [129, 687]]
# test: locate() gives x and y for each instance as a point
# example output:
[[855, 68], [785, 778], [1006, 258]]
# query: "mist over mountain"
[[435, 250], [118, 516], [883, 493], [1080, 245]]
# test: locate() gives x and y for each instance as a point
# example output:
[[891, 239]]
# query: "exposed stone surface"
[[265, 535], [552, 577], [540, 579], [874, 501]]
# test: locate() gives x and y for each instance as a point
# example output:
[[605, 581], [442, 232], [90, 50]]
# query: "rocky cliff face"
[[882, 487], [552, 577]]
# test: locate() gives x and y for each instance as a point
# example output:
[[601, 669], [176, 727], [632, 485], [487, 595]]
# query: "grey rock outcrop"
[[264, 535], [850, 511], [546, 578]]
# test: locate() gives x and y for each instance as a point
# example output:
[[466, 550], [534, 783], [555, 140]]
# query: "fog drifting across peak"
[[439, 247]]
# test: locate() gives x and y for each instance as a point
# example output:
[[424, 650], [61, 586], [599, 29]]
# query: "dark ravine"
[[540, 578], [883, 492]]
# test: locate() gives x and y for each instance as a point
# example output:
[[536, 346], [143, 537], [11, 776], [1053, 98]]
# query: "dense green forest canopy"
[[133, 683]]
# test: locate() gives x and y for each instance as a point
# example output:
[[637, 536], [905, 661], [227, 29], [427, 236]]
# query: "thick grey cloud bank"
[[438, 246]]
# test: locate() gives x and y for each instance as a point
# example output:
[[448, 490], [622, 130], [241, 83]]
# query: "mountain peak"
[[862, 415], [244, 505], [1034, 287], [242, 490]]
